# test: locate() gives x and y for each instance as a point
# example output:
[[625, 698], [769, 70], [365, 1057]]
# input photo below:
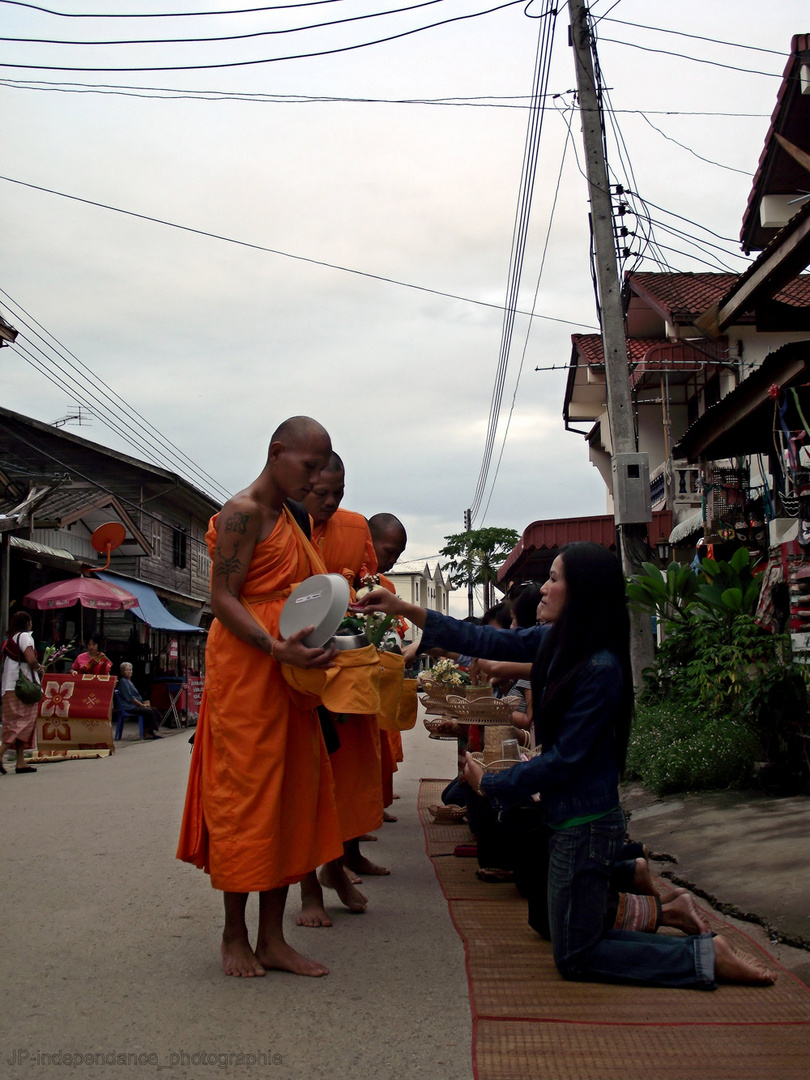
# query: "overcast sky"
[[215, 343]]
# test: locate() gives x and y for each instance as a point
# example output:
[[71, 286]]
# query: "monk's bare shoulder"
[[242, 523]]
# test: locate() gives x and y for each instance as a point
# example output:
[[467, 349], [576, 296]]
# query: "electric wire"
[[519, 236], [165, 14], [272, 59], [528, 328], [232, 37], [685, 56], [111, 409], [683, 146], [694, 37], [284, 254]]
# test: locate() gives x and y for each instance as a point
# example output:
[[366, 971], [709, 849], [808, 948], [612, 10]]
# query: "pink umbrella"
[[87, 591]]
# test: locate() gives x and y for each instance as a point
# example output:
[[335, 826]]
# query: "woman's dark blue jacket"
[[577, 773]]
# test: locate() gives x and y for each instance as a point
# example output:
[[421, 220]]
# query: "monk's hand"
[[293, 651], [387, 603], [473, 773]]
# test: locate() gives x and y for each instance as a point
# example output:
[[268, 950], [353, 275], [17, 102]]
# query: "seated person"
[[92, 661], [129, 696]]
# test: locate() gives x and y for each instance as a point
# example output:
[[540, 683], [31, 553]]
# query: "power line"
[[694, 37], [111, 408], [272, 59], [231, 37], [686, 56], [284, 254], [519, 237], [164, 14], [683, 146], [481, 101]]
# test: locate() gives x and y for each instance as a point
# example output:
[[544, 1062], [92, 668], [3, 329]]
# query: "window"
[[157, 533], [179, 548]]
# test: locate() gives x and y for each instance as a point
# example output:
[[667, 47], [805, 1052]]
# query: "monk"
[[260, 809], [344, 541], [389, 538]]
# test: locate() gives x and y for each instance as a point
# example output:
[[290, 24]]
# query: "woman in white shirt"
[[19, 719]]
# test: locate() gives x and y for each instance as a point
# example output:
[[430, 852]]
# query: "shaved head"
[[298, 430], [334, 464], [389, 538]]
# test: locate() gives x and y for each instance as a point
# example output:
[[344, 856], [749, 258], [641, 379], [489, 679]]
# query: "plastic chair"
[[124, 713]]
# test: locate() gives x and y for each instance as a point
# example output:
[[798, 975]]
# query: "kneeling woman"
[[583, 703]]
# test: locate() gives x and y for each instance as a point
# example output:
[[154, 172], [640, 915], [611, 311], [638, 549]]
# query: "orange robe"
[[260, 806], [391, 740], [346, 546]]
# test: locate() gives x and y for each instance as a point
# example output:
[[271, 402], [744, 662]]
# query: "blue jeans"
[[580, 862]]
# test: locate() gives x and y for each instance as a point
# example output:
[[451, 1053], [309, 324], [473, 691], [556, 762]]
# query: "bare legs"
[[272, 951], [355, 860]]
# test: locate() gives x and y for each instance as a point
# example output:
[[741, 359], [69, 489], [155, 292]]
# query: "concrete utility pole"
[[470, 598], [631, 470]]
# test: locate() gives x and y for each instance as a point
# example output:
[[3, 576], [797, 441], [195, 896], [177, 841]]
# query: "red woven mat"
[[530, 1023]]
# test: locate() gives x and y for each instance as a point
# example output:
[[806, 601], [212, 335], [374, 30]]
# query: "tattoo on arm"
[[225, 565], [237, 523]]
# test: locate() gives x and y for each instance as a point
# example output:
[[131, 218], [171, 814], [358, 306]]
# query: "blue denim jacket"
[[577, 774]]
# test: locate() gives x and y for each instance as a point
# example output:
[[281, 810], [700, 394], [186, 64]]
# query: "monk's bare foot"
[[388, 817], [332, 876], [353, 878], [279, 956], [313, 914], [366, 838], [683, 913], [239, 959], [736, 967], [397, 796], [360, 864]]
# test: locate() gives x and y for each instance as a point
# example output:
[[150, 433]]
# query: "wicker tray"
[[488, 710]]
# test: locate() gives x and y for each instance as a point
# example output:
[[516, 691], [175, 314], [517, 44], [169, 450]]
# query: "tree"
[[474, 557]]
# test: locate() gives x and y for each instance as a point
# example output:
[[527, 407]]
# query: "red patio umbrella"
[[87, 591]]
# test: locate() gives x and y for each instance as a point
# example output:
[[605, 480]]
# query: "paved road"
[[111, 945]]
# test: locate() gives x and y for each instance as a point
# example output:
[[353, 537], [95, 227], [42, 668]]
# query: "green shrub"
[[672, 749]]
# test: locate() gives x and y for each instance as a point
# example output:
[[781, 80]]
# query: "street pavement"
[[112, 946]]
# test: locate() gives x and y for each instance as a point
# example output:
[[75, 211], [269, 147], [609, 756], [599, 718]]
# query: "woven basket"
[[472, 693], [484, 710], [436, 706]]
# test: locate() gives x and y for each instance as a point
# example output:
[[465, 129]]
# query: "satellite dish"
[[107, 537]]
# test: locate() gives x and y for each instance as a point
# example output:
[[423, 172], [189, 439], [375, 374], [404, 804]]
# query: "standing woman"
[[583, 703], [92, 661], [19, 719]]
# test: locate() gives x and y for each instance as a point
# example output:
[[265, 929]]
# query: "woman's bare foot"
[[279, 956], [683, 913], [239, 959], [332, 876], [667, 898], [736, 967], [361, 865], [642, 879]]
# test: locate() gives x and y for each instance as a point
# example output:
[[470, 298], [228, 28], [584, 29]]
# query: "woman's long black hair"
[[594, 618]]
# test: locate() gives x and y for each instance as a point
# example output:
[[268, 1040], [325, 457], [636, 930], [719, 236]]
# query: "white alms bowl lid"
[[320, 601]]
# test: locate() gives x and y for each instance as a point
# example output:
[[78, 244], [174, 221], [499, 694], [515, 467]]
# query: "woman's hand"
[[473, 773], [293, 651], [378, 600]]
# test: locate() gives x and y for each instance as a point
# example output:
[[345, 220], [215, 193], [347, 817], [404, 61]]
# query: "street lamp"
[[663, 550]]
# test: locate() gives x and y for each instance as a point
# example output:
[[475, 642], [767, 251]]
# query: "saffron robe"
[[346, 546], [391, 741], [260, 806]]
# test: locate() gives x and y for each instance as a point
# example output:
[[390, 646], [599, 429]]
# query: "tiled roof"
[[684, 297], [589, 347], [788, 119]]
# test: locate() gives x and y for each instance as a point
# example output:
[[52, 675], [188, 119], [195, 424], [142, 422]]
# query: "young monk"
[[260, 809], [344, 541], [389, 538]]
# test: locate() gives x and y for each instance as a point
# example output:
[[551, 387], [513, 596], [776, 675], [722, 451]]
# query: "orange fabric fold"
[[346, 546], [260, 807]]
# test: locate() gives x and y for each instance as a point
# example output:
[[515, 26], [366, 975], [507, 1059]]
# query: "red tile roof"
[[682, 298], [589, 348]]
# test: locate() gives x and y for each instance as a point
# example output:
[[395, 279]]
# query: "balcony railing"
[[675, 485]]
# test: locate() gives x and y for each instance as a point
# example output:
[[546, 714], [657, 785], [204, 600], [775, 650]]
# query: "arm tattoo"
[[237, 523], [226, 565]]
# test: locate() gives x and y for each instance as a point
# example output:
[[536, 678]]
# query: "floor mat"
[[528, 1022]]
